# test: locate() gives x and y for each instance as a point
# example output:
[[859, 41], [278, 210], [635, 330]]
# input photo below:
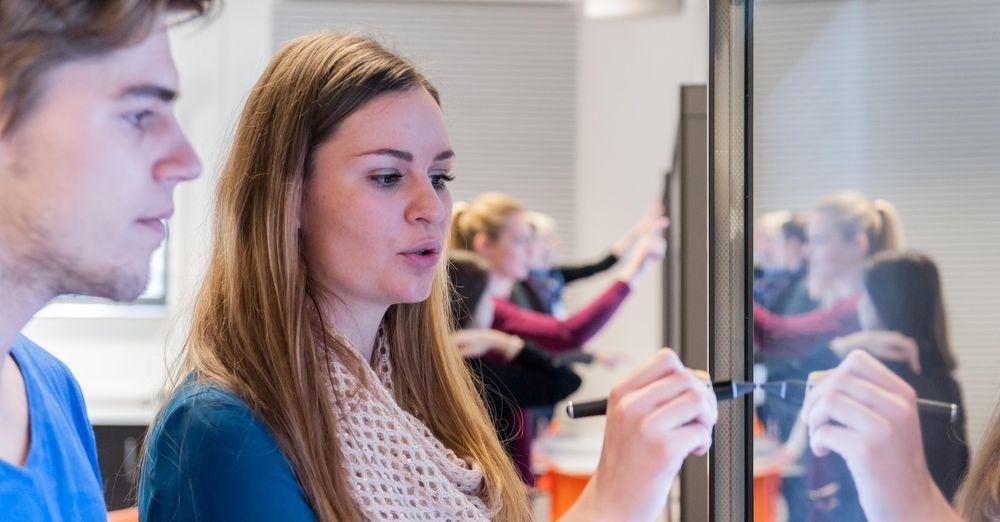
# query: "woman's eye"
[[386, 180], [441, 180]]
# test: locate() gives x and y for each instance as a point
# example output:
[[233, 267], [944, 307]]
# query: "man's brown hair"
[[38, 35]]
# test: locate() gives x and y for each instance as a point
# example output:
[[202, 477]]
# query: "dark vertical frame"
[[748, 248], [730, 260], [686, 272]]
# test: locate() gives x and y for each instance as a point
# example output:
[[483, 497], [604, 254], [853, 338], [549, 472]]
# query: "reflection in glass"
[[871, 118]]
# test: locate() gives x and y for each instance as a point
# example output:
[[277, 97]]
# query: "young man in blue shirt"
[[90, 153]]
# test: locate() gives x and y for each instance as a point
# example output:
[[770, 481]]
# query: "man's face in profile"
[[87, 176]]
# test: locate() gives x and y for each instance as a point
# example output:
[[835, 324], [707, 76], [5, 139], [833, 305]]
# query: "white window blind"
[[507, 76], [898, 99]]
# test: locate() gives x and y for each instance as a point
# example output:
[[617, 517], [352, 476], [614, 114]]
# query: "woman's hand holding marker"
[[655, 418]]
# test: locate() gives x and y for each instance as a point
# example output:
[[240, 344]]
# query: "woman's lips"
[[422, 260]]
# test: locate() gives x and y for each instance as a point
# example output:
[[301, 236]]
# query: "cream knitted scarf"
[[397, 469]]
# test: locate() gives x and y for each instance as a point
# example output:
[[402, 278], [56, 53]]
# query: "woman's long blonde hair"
[[256, 328], [978, 499]]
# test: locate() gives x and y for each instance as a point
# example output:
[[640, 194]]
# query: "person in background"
[[780, 269], [844, 231], [558, 335], [494, 226], [904, 324], [320, 379], [90, 154], [542, 289], [514, 374]]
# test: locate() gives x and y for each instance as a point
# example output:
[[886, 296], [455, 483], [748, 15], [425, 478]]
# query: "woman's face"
[[376, 206], [510, 254], [543, 248], [831, 255]]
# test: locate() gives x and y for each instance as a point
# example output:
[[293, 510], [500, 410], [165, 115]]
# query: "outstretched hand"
[[882, 344], [653, 223], [475, 342], [651, 249]]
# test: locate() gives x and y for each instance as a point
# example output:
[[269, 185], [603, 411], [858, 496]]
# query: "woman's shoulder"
[[210, 455], [204, 411]]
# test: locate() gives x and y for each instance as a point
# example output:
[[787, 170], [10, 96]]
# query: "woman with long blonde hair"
[[844, 229], [319, 380]]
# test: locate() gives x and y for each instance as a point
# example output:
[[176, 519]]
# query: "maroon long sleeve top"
[[794, 335], [554, 334]]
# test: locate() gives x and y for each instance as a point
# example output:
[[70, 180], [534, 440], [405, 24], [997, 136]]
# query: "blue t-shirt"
[[60, 479], [210, 457]]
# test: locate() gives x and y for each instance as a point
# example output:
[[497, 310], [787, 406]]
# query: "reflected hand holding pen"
[[865, 413], [795, 391], [792, 390]]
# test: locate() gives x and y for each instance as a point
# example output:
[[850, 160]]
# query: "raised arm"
[[560, 335], [794, 335]]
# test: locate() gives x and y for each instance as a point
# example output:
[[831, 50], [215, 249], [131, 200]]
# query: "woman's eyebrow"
[[406, 156]]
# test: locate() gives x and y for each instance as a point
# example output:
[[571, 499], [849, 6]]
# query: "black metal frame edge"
[[748, 247], [711, 234], [747, 241]]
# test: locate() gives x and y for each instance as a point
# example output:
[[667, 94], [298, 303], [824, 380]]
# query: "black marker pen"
[[724, 390]]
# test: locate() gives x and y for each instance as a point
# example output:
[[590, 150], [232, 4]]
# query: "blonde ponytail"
[[487, 214], [887, 235], [457, 237], [855, 214]]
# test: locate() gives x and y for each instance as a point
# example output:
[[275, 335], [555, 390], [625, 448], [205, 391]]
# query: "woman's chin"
[[417, 294]]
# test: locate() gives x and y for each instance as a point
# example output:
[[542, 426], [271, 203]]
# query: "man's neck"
[[20, 300]]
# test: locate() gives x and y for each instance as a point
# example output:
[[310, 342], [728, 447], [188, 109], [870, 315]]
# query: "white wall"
[[853, 96], [630, 74]]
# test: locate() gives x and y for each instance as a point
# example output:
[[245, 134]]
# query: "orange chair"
[[563, 489], [124, 515], [766, 485]]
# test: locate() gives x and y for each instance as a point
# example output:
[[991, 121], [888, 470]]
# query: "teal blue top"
[[210, 457]]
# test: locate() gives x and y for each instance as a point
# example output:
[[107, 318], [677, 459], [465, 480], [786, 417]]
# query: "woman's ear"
[[480, 242], [863, 244]]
